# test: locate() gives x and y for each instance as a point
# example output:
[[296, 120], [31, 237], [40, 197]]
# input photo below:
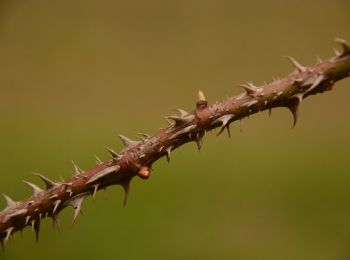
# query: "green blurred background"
[[74, 74]]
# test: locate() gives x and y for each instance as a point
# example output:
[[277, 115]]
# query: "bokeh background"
[[74, 74]]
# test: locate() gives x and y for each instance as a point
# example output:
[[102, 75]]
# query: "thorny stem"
[[137, 157]]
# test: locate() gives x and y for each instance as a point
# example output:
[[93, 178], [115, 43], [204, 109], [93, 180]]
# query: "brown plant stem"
[[137, 157]]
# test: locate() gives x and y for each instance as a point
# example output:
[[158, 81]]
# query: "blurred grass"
[[74, 74]]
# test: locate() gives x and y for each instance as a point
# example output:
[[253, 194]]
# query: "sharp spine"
[[37, 230], [128, 143], [182, 131], [95, 190], [76, 203], [199, 140], [296, 65], [112, 153], [35, 188], [182, 112], [76, 168], [98, 160], [225, 123], [56, 204], [344, 44], [9, 201], [168, 152], [49, 184], [293, 108], [181, 120], [8, 233], [251, 90], [103, 173], [27, 220], [126, 188]]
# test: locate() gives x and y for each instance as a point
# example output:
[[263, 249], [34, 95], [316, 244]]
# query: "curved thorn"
[[126, 188], [9, 201], [182, 112], [344, 44], [128, 143], [168, 153], [48, 182], [35, 188], [293, 108], [250, 89]]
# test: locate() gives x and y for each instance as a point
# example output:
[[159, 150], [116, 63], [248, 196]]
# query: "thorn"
[[336, 52], [199, 140], [56, 204], [168, 152], [183, 131], [76, 203], [316, 82], [126, 187], [297, 65], [181, 120], [48, 182], [201, 96], [319, 60], [76, 168], [15, 214], [98, 160], [32, 223], [27, 220], [103, 173], [37, 229], [8, 233], [182, 112], [128, 143], [225, 123], [9, 201], [251, 90], [112, 152], [344, 44], [95, 190], [35, 188], [270, 112], [293, 107]]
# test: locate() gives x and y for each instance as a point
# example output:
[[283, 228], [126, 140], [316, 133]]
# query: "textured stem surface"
[[137, 157]]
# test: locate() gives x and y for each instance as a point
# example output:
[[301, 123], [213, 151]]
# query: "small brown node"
[[144, 172]]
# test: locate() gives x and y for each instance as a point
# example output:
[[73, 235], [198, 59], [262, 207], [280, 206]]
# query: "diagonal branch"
[[137, 157]]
